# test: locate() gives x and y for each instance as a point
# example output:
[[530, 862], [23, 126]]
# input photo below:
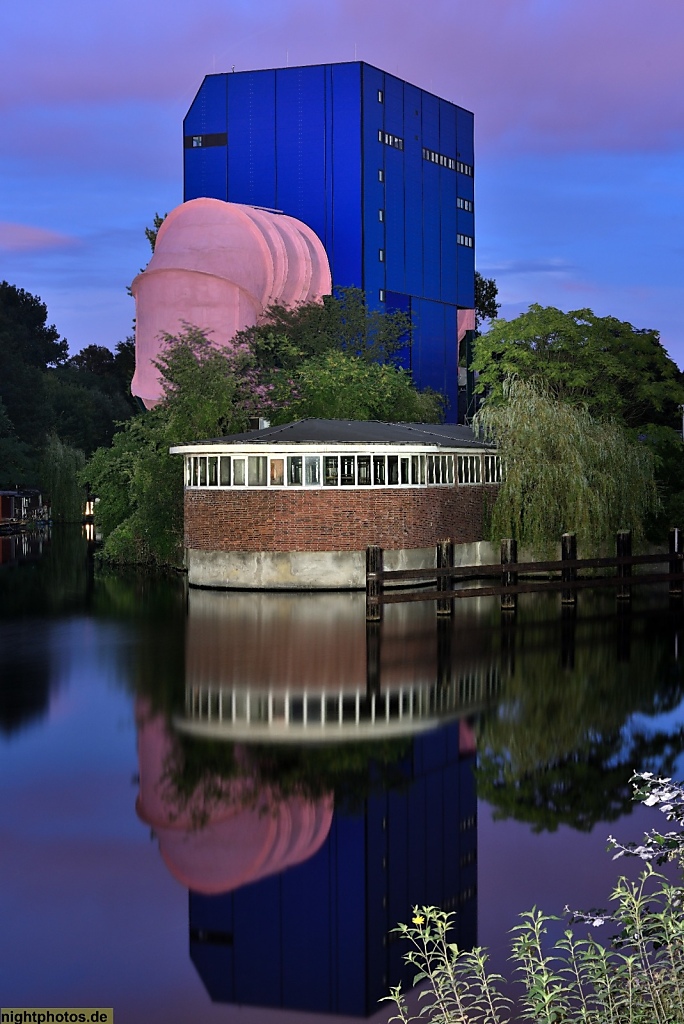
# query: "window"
[[381, 215], [390, 140], [464, 204], [469, 469], [364, 470], [347, 475], [381, 295], [381, 174], [381, 255], [354, 470], [203, 141], [466, 240], [256, 470], [381, 97], [440, 159], [312, 470], [492, 469], [294, 470]]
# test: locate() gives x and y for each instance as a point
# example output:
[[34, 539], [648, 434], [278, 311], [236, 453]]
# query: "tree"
[[24, 331], [151, 233], [600, 362], [60, 475], [342, 322], [15, 454], [335, 385], [564, 470], [208, 392], [486, 292]]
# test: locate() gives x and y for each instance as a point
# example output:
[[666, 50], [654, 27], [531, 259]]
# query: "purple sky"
[[579, 111]]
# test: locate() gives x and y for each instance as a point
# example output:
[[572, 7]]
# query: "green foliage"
[[342, 322], [564, 470], [151, 233], [15, 454], [212, 392], [486, 293], [599, 362], [637, 979], [339, 386], [208, 393], [42, 392], [61, 467]]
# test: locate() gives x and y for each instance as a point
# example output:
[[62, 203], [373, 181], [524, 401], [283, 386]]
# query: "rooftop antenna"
[[233, 68]]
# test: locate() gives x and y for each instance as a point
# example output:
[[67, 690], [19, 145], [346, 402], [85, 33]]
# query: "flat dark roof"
[[444, 435]]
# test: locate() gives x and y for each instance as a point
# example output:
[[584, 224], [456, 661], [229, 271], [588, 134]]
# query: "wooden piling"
[[623, 547], [509, 554], [569, 575], [373, 642], [445, 560], [676, 560], [374, 584]]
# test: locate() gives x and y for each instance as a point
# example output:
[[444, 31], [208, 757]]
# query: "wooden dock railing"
[[568, 581]]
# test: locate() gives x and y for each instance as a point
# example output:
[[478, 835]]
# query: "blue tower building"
[[380, 169]]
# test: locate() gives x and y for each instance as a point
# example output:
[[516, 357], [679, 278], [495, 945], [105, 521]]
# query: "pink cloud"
[[24, 238], [540, 74]]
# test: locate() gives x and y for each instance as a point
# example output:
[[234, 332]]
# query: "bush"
[[637, 978]]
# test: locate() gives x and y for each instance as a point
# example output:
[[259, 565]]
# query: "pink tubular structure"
[[216, 266]]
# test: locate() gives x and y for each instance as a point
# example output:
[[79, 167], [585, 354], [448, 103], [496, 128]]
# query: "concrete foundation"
[[313, 570]]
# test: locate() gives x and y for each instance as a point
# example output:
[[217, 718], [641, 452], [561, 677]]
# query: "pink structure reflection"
[[250, 832], [216, 265]]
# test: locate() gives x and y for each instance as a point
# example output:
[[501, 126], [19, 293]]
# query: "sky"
[[579, 120]]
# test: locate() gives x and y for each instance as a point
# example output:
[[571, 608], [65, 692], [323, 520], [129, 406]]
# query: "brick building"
[[295, 506]]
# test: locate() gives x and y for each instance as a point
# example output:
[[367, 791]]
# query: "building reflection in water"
[[292, 905]]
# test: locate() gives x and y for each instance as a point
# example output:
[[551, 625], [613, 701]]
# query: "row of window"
[[467, 240], [339, 470], [390, 140], [221, 139], [203, 141], [447, 161], [464, 204]]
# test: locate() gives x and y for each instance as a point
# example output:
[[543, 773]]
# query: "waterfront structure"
[[381, 170], [296, 506], [215, 266]]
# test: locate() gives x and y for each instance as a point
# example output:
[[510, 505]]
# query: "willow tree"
[[564, 471], [61, 467]]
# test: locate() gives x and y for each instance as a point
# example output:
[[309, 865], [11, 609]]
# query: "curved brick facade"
[[333, 520]]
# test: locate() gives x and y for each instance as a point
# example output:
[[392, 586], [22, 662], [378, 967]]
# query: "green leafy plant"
[[636, 977]]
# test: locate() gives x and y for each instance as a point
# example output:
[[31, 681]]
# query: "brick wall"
[[333, 520]]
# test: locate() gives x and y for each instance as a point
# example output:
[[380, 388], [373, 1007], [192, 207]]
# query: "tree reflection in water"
[[561, 744]]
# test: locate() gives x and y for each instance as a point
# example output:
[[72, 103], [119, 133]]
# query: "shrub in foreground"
[[636, 978]]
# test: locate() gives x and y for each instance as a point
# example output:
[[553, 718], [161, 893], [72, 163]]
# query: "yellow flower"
[[419, 919]]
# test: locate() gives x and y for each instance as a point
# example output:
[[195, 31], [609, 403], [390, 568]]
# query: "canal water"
[[216, 806]]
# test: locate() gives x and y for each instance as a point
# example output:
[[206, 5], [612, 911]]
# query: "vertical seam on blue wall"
[[362, 167], [227, 136]]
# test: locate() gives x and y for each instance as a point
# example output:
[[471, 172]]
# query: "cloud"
[[553, 265], [540, 76], [25, 238]]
